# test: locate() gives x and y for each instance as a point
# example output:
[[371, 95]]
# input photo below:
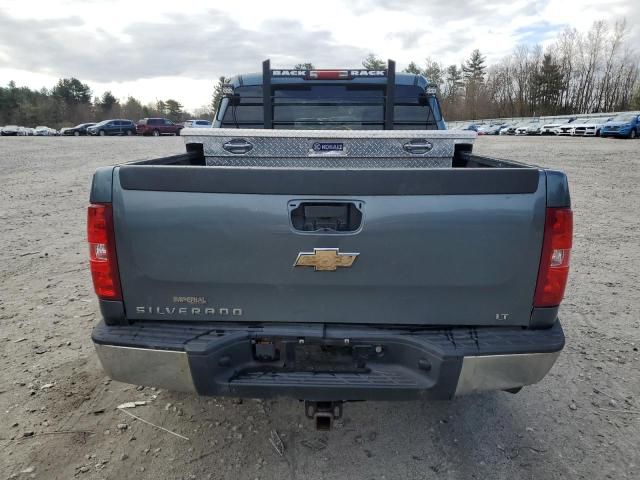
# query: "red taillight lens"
[[102, 252], [328, 75], [554, 262]]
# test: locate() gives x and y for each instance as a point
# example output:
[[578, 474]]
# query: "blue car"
[[626, 125]]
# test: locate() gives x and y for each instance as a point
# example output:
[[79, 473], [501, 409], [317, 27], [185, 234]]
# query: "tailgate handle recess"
[[237, 146], [418, 146], [333, 217]]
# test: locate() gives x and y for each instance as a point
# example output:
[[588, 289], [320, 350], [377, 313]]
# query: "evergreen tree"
[[548, 85], [174, 110], [72, 91], [413, 68], [217, 93], [107, 102], [304, 66], [474, 68], [473, 72], [371, 62], [132, 109]]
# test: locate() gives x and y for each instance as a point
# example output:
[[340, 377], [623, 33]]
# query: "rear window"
[[350, 107], [202, 122]]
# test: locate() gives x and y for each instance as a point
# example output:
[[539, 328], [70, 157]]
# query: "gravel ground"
[[58, 410]]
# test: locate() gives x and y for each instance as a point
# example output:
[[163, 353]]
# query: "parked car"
[[197, 124], [512, 129], [566, 129], [43, 131], [504, 130], [534, 128], [26, 131], [78, 130], [625, 125], [551, 128], [590, 128], [492, 129], [10, 131], [474, 127], [383, 281], [113, 127], [157, 127], [528, 128]]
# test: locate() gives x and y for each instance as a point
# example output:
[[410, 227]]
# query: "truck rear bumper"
[[362, 363]]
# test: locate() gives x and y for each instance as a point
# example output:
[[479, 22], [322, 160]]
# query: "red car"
[[157, 127]]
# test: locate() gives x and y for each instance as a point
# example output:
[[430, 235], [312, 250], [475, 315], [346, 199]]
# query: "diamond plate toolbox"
[[351, 149]]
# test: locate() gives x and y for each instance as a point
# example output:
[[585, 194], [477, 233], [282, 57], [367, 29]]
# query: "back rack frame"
[[389, 94]]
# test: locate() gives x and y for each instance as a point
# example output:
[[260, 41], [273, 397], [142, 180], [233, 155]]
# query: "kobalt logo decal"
[[327, 147]]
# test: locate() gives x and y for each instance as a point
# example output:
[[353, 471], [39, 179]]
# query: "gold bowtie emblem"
[[325, 259]]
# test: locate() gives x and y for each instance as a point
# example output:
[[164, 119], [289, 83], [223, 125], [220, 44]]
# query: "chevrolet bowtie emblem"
[[325, 259]]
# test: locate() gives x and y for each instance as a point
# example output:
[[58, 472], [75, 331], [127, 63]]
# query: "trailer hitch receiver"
[[323, 413]]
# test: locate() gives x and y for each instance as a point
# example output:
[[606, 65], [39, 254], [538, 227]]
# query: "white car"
[[534, 128], [552, 127], [43, 131], [566, 130], [505, 130], [531, 128], [591, 128], [25, 131], [197, 124]]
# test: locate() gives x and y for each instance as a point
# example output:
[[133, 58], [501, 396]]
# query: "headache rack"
[[386, 147], [318, 75]]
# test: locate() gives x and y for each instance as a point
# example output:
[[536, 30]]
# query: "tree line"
[[591, 72], [70, 102]]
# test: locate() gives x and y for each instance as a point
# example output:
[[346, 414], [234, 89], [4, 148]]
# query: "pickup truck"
[[330, 241]]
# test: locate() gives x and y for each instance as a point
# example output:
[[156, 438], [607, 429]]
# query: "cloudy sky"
[[155, 49]]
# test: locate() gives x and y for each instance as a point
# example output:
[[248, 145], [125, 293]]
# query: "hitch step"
[[323, 413]]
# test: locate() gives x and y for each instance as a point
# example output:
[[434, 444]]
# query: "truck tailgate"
[[434, 247]]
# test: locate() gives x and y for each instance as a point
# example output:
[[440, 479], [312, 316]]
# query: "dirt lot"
[[58, 410]]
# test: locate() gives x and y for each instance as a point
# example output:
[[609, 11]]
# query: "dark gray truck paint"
[[150, 187], [469, 259]]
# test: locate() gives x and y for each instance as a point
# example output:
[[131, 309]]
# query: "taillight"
[[102, 252], [554, 262]]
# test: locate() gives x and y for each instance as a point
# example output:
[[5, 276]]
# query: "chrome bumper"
[[144, 366], [170, 369], [503, 372]]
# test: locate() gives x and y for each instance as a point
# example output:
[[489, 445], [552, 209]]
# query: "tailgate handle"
[[417, 146], [331, 217], [237, 146]]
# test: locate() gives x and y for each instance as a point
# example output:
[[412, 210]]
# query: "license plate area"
[[323, 358], [300, 356]]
